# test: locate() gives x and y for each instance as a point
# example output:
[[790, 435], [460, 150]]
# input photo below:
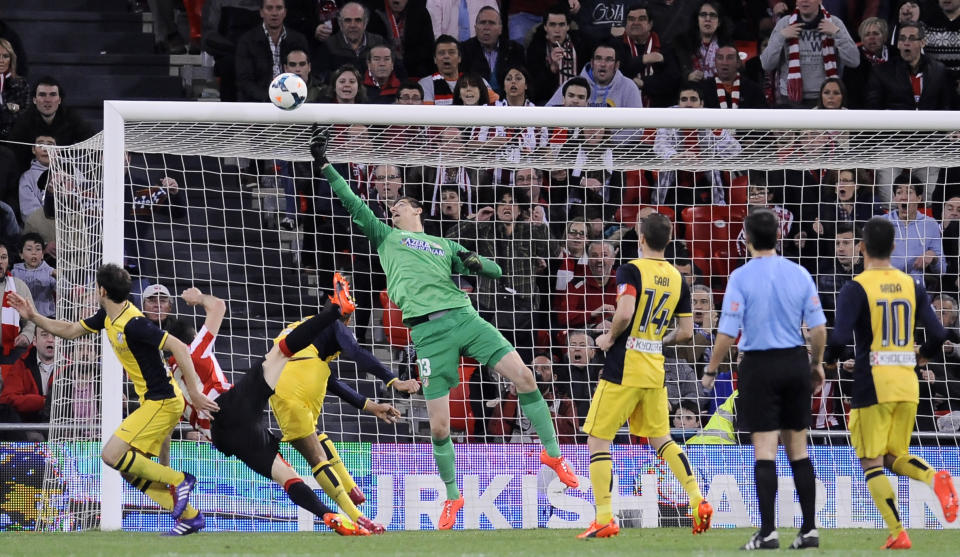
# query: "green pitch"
[[548, 543]]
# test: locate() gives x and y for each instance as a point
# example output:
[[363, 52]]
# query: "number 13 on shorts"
[[424, 365]]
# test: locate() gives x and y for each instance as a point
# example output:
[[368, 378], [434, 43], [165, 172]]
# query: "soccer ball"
[[287, 91]]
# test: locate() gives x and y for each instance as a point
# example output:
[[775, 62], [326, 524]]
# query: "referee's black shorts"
[[240, 427], [775, 390]]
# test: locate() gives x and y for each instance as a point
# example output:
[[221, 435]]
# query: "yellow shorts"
[[149, 426], [647, 410], [298, 399], [882, 429]]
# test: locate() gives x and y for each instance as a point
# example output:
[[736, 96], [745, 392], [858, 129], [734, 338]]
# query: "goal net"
[[224, 197]]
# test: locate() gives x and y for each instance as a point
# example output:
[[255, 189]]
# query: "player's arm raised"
[[374, 229], [181, 353], [215, 308], [470, 262], [63, 329]]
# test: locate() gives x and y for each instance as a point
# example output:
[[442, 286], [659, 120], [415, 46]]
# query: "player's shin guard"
[[536, 410], [333, 457], [140, 466], [914, 467], [806, 482], [305, 333], [765, 478], [446, 459], [680, 466], [884, 498], [304, 497], [601, 478], [161, 495], [332, 486]]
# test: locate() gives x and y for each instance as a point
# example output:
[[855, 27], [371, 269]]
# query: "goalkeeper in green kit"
[[443, 324]]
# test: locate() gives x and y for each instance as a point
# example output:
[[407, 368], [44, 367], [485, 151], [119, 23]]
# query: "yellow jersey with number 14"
[[636, 357]]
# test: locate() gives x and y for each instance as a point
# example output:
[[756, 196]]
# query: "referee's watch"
[[708, 374]]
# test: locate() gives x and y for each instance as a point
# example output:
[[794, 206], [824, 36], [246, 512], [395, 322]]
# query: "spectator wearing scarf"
[[806, 47]]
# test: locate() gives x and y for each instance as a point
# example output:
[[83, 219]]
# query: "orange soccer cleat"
[[701, 517], [595, 530], [902, 541], [343, 525], [947, 493], [561, 467], [341, 295], [448, 516]]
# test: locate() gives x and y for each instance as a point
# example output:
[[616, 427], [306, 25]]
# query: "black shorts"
[[775, 390], [240, 427]]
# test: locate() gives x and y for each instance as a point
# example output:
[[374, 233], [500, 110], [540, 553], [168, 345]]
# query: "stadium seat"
[[397, 334], [738, 190], [711, 235], [461, 415]]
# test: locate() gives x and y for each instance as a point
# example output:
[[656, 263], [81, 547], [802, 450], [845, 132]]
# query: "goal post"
[[268, 250]]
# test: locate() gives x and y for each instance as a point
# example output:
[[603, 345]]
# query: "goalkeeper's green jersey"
[[418, 266]]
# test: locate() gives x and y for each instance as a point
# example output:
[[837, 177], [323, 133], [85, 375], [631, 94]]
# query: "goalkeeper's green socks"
[[140, 466], [333, 457], [535, 409], [161, 495], [332, 486], [680, 466], [914, 467], [446, 459], [601, 478], [884, 498]]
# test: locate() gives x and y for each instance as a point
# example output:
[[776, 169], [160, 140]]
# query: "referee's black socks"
[[765, 476], [305, 333], [806, 483]]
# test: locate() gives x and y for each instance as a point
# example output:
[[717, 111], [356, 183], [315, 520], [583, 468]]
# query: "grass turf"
[[662, 541]]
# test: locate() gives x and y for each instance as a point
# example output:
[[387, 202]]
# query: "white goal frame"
[[118, 114]]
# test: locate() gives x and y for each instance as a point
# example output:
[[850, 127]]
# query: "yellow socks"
[[333, 457], [332, 486], [681, 468], [140, 466], [884, 498], [601, 478], [160, 493], [914, 467]]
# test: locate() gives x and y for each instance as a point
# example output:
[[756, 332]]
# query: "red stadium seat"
[[397, 334], [711, 235], [738, 190], [461, 415]]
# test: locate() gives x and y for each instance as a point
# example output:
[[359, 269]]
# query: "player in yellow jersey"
[[137, 342], [878, 310], [651, 292], [298, 401]]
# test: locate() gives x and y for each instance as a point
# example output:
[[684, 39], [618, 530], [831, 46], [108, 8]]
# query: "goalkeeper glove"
[[319, 139], [471, 260]]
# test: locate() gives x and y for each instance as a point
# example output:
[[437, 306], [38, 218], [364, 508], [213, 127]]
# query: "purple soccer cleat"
[[181, 494], [188, 526]]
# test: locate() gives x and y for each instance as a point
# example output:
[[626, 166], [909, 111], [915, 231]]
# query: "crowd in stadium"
[[560, 235]]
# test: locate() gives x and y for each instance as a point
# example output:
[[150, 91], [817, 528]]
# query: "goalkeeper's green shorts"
[[441, 341]]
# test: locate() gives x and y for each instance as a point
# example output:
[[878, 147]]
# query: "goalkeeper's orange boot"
[[947, 493], [341, 295], [343, 525], [448, 516], [701, 517], [561, 467], [902, 541], [373, 527], [595, 530]]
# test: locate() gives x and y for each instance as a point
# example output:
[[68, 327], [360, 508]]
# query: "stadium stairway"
[[98, 50]]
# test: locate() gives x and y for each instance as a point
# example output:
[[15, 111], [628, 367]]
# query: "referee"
[[767, 302]]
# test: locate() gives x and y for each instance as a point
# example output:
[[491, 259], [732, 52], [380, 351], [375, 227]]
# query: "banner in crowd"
[[504, 486]]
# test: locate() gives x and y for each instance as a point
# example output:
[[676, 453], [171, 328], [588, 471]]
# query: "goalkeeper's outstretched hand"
[[471, 260], [319, 139]]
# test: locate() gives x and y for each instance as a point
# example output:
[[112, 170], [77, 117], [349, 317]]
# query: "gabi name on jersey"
[[423, 245]]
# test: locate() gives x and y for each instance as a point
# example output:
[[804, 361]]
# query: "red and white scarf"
[[734, 101], [706, 59], [396, 24], [9, 317], [794, 76], [653, 45], [876, 58]]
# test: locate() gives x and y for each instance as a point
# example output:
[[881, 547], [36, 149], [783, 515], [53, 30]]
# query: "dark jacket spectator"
[[48, 116], [350, 44], [475, 60], [256, 64], [555, 55], [408, 29], [890, 86]]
